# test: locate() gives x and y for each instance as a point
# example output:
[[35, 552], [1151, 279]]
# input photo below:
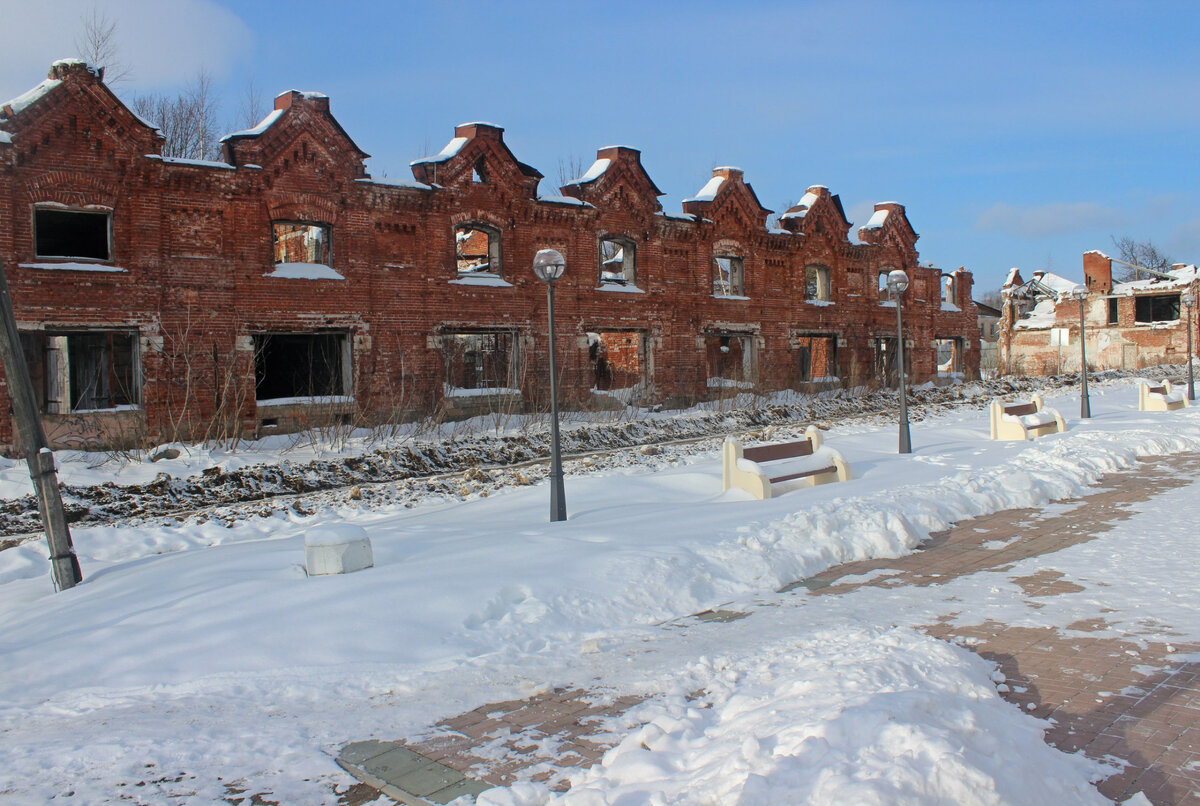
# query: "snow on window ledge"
[[728, 383], [109, 410], [731, 296], [629, 288], [888, 303], [950, 306], [489, 391], [304, 271], [74, 266], [305, 400], [491, 280], [820, 303]]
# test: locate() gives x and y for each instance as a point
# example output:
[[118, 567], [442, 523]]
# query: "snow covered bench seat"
[[1025, 420], [757, 470], [1159, 398]]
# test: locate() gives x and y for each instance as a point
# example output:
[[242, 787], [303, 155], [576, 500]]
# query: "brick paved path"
[[1129, 701]]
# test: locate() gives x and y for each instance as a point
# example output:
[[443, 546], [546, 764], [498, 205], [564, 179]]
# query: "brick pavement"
[[1133, 701]]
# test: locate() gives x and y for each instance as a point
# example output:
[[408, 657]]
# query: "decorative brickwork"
[[193, 268]]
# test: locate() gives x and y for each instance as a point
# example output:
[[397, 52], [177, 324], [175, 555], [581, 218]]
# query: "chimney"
[[1097, 272]]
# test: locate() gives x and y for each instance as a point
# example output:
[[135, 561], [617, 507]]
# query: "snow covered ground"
[[198, 659]]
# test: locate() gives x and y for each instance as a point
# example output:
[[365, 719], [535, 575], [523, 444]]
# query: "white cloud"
[[164, 44], [1046, 220]]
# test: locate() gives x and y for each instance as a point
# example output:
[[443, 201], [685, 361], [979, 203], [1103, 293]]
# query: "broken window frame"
[[491, 268], [949, 289], [817, 283], [729, 276], [1149, 309], [80, 371], [494, 359], [885, 296], [43, 220], [1113, 310], [606, 376], [954, 366], [327, 350], [614, 250], [718, 343], [802, 344], [319, 252]]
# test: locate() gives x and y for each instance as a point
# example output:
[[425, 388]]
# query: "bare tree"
[[570, 168], [188, 120], [253, 107], [96, 43], [1142, 253]]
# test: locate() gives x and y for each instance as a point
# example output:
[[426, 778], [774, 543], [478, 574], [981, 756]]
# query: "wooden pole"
[[64, 565]]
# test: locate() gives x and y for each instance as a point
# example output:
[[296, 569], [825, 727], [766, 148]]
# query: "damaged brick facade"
[[1128, 325], [284, 286]]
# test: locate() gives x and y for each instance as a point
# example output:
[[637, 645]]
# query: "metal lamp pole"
[[549, 265], [1189, 300], [1085, 403], [897, 282]]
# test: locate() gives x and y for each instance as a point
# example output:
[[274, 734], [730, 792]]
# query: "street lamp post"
[[1085, 404], [548, 265], [897, 282], [1189, 300]]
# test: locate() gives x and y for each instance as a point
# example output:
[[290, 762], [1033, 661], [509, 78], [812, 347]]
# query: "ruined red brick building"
[[1128, 324], [162, 299]]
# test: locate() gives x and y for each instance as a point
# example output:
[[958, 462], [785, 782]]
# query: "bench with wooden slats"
[[1160, 397], [1025, 420], [760, 468]]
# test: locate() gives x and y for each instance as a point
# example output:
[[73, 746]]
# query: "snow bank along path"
[[205, 649]]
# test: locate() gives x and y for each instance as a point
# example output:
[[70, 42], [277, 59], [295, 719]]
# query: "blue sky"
[[1016, 133]]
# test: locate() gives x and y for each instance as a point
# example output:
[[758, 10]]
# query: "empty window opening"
[[816, 358], [1163, 308], [1112, 310], [480, 360], [886, 363], [728, 276], [83, 371], [616, 358], [479, 173], [816, 283], [299, 242], [730, 359], [476, 250], [949, 356], [949, 290], [884, 294], [300, 365], [72, 233], [618, 261]]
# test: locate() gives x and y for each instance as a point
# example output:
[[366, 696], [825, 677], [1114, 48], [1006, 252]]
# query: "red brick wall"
[[195, 241]]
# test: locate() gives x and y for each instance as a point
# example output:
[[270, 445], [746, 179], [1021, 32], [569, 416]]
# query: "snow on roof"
[[709, 191], [396, 183], [563, 200], [482, 123], [1095, 252], [5, 137], [805, 204], [677, 216], [876, 220], [1057, 283], [452, 148], [728, 168], [76, 62], [262, 126], [25, 99], [1012, 276], [595, 172], [196, 163], [1041, 316], [1180, 277]]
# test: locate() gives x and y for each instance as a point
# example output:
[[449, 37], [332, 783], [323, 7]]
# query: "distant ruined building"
[[1128, 325], [162, 299]]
